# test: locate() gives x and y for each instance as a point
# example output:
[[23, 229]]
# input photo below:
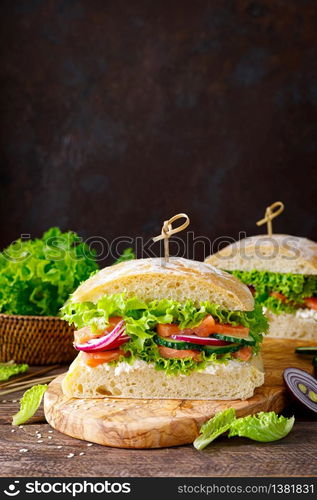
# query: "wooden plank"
[[131, 423], [293, 456]]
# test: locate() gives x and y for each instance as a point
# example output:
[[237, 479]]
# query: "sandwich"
[[149, 329], [281, 272]]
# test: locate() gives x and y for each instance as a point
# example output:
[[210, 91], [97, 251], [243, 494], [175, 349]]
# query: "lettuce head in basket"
[[37, 276]]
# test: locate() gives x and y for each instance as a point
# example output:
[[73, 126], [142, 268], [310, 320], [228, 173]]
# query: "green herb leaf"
[[8, 370], [217, 425], [264, 427], [37, 276], [127, 254], [29, 404]]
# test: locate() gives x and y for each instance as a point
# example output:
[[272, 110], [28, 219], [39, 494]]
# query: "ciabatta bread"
[[233, 380], [178, 279], [293, 326], [280, 253]]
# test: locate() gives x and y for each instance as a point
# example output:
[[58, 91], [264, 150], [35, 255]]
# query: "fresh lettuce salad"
[[295, 287], [264, 427], [142, 317], [37, 276]]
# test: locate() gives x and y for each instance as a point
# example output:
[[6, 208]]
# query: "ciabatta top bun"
[[179, 279], [180, 329], [280, 253]]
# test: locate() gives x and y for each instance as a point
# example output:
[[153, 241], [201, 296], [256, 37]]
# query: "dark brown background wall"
[[117, 114]]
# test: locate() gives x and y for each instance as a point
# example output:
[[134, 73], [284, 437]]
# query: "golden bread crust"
[[179, 279], [278, 253]]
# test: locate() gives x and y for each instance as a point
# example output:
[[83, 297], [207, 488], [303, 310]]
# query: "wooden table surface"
[[293, 456]]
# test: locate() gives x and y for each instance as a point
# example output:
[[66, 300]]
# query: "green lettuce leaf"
[[295, 287], [142, 317], [127, 254], [37, 276], [8, 370], [29, 404], [217, 425], [264, 427]]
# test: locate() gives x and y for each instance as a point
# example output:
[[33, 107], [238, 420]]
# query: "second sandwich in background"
[[281, 272]]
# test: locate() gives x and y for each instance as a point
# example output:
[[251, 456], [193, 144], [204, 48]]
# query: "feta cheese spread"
[[306, 314]]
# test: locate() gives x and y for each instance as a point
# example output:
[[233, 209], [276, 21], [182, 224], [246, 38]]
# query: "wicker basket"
[[36, 340]]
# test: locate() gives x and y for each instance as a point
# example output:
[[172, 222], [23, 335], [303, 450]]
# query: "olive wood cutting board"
[[152, 423]]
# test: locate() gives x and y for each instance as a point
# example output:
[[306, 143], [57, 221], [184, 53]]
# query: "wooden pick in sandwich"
[[270, 213], [168, 231]]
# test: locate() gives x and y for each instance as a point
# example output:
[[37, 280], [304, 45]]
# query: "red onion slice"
[[111, 340], [302, 387], [200, 340]]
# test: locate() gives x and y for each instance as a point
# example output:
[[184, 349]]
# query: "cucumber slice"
[[306, 350], [175, 344], [179, 344], [221, 349], [229, 338]]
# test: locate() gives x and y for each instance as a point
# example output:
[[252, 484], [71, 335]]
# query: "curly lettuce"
[[264, 427], [37, 276], [295, 287], [142, 317]]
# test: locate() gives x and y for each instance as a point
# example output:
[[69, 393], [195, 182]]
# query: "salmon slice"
[[94, 359], [244, 353], [167, 352]]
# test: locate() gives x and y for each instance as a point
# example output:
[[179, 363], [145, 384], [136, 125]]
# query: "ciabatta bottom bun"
[[302, 325], [230, 380]]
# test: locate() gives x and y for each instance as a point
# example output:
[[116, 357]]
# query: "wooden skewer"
[[27, 385], [168, 231], [29, 375], [270, 214]]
